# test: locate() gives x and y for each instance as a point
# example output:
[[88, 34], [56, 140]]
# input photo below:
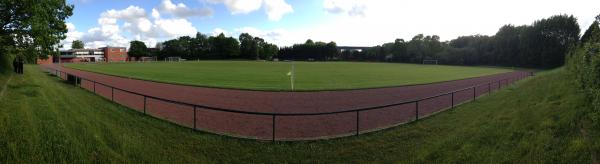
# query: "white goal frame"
[[433, 62], [148, 59], [173, 59]]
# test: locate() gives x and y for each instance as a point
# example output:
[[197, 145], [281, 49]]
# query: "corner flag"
[[291, 75]]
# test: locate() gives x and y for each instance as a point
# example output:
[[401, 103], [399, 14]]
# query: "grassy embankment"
[[539, 120]]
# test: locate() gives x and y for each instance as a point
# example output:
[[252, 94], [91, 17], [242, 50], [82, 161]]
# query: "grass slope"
[[45, 120], [273, 75]]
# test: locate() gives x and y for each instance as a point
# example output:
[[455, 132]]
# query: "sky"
[[100, 23]]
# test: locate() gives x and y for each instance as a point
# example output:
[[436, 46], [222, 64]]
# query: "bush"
[[584, 62]]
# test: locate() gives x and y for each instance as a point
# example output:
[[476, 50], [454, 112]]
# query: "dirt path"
[[286, 127]]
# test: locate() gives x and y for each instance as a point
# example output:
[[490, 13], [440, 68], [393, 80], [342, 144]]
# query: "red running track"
[[280, 123]]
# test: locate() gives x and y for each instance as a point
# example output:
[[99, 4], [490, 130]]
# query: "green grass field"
[[44, 120], [273, 75]]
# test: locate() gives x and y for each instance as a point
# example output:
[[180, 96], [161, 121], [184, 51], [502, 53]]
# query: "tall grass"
[[43, 120]]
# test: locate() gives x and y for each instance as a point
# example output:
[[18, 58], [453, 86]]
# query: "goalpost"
[[148, 59], [433, 62], [173, 59]]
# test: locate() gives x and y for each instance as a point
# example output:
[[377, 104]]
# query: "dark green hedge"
[[584, 62]]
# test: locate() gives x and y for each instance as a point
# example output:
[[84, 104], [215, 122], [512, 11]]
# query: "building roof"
[[75, 50], [110, 47]]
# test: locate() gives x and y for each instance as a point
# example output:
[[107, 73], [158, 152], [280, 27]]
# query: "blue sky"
[[285, 22]]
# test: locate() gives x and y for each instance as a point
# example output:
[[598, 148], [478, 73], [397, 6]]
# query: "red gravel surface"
[[284, 125]]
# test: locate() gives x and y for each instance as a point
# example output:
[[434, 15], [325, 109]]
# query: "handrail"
[[416, 101], [292, 114]]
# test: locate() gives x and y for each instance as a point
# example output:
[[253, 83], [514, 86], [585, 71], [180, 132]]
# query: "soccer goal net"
[[148, 59], [434, 62], [173, 59]]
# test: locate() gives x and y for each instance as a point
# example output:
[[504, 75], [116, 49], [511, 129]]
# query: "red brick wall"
[[114, 54], [70, 60], [45, 61]]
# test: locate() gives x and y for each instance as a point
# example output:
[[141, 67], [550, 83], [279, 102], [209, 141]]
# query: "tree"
[[137, 49], [224, 47], [77, 44], [506, 46], [553, 38], [415, 48], [256, 48], [592, 33], [331, 51], [171, 48], [399, 51], [32, 24], [200, 46], [268, 51], [186, 44], [248, 46]]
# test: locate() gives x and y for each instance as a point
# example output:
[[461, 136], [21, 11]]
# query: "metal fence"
[[294, 126]]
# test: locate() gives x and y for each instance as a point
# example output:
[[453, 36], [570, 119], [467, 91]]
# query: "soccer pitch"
[[273, 76]]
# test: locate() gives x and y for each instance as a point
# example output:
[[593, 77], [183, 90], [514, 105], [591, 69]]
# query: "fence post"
[[499, 84], [474, 92], [112, 93], [417, 111], [145, 104], [194, 117], [94, 86], [452, 100], [357, 122], [489, 88], [273, 127]]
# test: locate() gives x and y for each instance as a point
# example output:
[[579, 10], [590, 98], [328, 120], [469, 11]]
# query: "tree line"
[[542, 44], [208, 47], [310, 50]]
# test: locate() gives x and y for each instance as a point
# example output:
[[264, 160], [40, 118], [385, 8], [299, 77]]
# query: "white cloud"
[[180, 10], [239, 6], [72, 34], [218, 31], [131, 13], [271, 36], [171, 28], [351, 7], [155, 14], [118, 27], [275, 9]]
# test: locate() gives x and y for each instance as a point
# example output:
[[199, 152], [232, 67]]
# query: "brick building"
[[104, 54], [81, 55], [115, 54]]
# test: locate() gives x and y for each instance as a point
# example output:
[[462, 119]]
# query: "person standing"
[[15, 65], [21, 66]]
